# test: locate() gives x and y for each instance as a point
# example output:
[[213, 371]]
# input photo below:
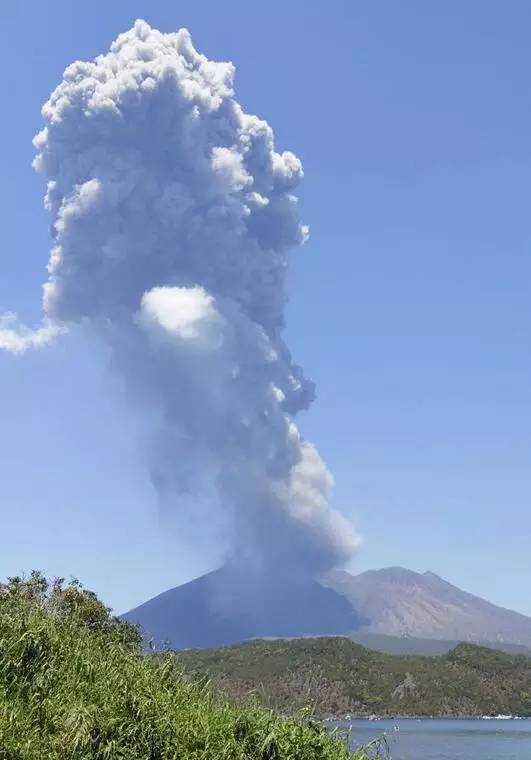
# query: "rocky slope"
[[400, 602]]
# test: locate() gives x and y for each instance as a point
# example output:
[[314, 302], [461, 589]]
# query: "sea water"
[[445, 739]]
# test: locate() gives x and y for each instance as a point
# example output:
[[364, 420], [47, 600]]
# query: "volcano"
[[218, 609], [223, 608]]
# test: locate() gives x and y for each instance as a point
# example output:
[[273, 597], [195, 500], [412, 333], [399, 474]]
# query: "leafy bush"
[[74, 685]]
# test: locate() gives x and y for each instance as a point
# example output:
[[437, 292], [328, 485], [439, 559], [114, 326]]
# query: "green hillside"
[[74, 685], [338, 677], [429, 647]]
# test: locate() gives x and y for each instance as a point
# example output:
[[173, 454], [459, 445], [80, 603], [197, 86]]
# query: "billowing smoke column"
[[172, 216]]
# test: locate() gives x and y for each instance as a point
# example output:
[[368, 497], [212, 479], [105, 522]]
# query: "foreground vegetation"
[[75, 686], [339, 677]]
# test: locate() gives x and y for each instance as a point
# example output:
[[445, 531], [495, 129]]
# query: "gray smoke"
[[172, 215]]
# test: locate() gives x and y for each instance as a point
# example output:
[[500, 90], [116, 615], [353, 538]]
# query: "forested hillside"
[[337, 677]]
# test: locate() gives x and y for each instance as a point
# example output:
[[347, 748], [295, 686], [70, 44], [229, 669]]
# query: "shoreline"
[[377, 718]]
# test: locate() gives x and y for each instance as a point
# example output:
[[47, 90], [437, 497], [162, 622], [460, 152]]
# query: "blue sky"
[[410, 306]]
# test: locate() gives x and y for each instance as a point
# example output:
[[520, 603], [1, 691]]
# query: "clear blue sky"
[[410, 307]]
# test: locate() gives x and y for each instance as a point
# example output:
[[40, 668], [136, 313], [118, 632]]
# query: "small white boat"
[[497, 717]]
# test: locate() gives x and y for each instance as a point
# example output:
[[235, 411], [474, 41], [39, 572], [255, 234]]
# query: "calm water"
[[447, 739]]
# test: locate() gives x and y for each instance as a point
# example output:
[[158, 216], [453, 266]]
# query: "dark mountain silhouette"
[[223, 608], [402, 608]]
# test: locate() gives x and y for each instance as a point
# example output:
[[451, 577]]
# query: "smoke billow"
[[172, 215]]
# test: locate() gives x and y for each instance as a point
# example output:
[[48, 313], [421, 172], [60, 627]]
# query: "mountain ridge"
[[404, 606], [401, 602]]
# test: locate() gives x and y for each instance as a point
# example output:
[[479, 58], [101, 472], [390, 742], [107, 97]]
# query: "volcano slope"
[[220, 608]]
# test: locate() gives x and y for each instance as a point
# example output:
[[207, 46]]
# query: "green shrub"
[[74, 685]]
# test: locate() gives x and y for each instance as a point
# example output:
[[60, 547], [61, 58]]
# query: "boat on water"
[[498, 717]]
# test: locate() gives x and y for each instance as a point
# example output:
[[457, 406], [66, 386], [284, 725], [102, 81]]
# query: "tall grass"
[[75, 686]]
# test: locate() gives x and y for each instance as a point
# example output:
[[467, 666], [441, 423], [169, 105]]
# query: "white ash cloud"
[[18, 338], [172, 219]]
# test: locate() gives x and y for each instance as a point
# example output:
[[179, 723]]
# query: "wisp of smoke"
[[172, 215]]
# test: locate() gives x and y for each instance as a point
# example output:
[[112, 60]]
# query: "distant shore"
[[377, 718]]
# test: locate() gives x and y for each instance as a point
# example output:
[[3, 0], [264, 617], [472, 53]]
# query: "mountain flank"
[[392, 610], [400, 602], [222, 608]]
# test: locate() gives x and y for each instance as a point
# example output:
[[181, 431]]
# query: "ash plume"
[[172, 218]]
